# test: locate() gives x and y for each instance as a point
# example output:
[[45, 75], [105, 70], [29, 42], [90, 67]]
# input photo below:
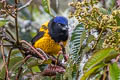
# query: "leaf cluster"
[[95, 41]]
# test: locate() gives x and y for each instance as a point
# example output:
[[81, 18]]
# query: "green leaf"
[[2, 73], [16, 53], [69, 70], [114, 71], [82, 38], [46, 5], [100, 44], [14, 61], [49, 61], [97, 58], [117, 17], [89, 72], [12, 66], [35, 69], [34, 63], [88, 42], [90, 39], [2, 69], [32, 33], [86, 49], [111, 56], [3, 22], [77, 39]]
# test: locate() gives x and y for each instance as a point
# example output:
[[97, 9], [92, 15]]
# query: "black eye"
[[59, 24]]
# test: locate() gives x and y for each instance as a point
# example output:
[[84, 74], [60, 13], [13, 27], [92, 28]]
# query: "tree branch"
[[16, 22], [26, 5], [41, 56]]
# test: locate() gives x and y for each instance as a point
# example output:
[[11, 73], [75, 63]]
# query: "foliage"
[[101, 42], [46, 5], [94, 45], [2, 22], [114, 71]]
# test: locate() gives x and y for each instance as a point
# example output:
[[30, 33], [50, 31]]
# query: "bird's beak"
[[65, 28]]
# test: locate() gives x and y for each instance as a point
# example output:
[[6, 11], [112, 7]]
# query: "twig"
[[26, 5], [20, 68], [10, 13], [58, 62], [5, 7], [5, 36], [10, 34], [3, 55], [22, 41], [63, 50], [43, 53], [117, 58], [8, 60], [60, 52], [5, 45], [19, 72], [105, 75], [98, 39], [16, 22]]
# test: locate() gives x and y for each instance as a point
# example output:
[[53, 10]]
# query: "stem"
[[5, 45], [20, 68], [10, 34], [8, 60], [19, 72], [98, 38], [49, 8], [16, 22], [10, 13], [5, 7], [3, 55], [104, 75], [117, 27]]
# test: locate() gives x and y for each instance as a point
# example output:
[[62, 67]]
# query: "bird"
[[52, 33]]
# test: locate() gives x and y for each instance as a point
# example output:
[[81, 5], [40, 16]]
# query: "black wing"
[[38, 36]]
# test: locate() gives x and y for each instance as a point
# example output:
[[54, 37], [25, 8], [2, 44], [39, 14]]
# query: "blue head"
[[58, 28], [61, 20]]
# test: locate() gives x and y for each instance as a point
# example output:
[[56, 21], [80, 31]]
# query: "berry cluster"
[[112, 41], [91, 16]]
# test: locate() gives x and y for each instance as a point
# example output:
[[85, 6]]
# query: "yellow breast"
[[48, 45]]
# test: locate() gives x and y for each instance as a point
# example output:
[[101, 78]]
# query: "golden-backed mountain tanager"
[[51, 34]]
